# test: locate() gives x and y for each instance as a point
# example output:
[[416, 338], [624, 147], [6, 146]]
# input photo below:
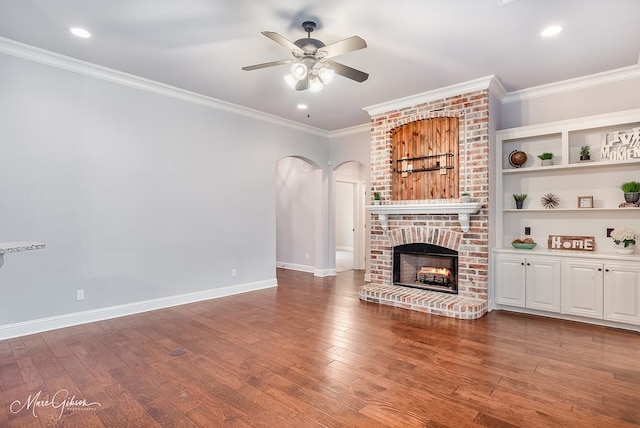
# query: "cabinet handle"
[[528, 264], [599, 269], [522, 263], [606, 270]]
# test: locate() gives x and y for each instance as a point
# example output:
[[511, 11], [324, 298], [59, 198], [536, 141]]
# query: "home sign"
[[621, 145], [574, 243]]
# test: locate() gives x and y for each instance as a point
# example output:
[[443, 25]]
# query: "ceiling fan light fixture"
[[326, 74], [315, 84], [299, 71], [311, 69], [291, 81]]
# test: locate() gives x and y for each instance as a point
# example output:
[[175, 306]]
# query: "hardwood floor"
[[310, 354]]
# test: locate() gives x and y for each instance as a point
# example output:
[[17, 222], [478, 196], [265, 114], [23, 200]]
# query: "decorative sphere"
[[517, 158]]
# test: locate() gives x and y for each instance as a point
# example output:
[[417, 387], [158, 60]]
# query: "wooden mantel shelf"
[[14, 247], [463, 209]]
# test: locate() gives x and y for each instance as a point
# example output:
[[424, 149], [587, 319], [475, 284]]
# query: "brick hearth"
[[448, 305], [444, 230]]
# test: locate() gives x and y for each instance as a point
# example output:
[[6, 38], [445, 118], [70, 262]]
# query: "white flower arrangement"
[[624, 236]]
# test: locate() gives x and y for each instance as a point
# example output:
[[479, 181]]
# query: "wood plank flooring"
[[311, 354]]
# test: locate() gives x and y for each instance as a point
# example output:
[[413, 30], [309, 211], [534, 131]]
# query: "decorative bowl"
[[523, 246]]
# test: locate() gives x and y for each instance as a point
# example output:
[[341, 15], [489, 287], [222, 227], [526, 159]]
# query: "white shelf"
[[540, 250], [462, 209], [582, 210], [588, 165]]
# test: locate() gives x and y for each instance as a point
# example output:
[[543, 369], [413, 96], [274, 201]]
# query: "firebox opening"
[[426, 266]]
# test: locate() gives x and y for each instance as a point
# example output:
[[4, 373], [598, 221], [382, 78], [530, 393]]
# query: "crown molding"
[[611, 76], [52, 59], [434, 95], [358, 129]]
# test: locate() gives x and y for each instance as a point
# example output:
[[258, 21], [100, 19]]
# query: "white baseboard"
[[324, 272], [293, 266], [9, 331]]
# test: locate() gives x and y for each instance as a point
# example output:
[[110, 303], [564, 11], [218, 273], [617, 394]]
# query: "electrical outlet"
[[609, 230], [234, 272], [80, 294]]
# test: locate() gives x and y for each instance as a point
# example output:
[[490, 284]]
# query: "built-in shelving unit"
[[554, 281], [569, 178]]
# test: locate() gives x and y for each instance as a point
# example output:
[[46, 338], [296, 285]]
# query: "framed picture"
[[585, 201]]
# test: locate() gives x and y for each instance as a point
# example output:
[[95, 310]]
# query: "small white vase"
[[621, 249]]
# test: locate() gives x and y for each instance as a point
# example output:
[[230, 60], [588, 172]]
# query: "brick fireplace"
[[433, 222]]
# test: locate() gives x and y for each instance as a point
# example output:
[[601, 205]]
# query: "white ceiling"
[[413, 45]]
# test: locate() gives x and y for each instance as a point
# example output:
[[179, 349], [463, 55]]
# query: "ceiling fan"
[[311, 67]]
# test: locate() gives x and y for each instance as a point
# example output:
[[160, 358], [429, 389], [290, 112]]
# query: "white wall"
[[616, 90], [137, 195], [299, 191]]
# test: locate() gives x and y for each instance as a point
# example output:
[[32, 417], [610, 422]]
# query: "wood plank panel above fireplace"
[[425, 157]]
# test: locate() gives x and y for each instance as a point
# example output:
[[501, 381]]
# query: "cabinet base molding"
[[566, 317]]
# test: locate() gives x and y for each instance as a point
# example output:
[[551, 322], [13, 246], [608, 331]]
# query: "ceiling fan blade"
[[346, 71], [267, 64], [282, 41], [343, 46]]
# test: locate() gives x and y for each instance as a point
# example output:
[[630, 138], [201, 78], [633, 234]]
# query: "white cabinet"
[[578, 286], [543, 284], [606, 290], [510, 281], [622, 292], [531, 282], [582, 288]]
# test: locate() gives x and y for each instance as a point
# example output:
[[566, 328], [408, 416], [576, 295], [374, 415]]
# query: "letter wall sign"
[[573, 243], [621, 145]]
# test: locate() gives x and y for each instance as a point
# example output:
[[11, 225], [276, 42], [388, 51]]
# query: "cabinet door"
[[582, 285], [510, 281], [543, 284], [622, 292]]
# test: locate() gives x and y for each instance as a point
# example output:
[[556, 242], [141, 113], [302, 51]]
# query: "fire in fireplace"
[[426, 266]]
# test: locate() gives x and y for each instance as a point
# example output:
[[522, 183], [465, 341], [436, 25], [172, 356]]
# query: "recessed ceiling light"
[[302, 106], [551, 30], [80, 32]]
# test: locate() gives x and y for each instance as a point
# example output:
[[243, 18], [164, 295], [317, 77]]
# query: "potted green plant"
[[631, 191], [376, 198], [519, 198], [585, 153], [465, 197], [546, 159]]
